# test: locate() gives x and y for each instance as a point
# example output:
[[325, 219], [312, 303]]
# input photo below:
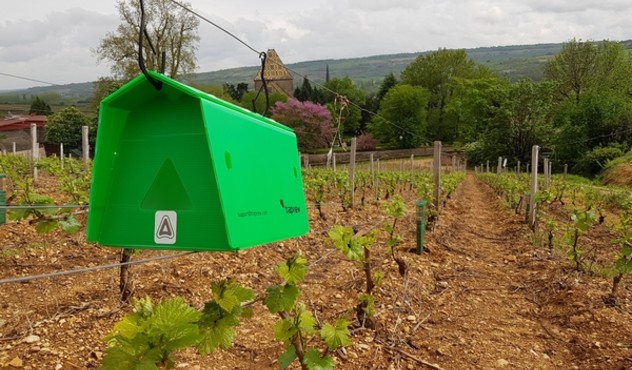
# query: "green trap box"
[[179, 169]]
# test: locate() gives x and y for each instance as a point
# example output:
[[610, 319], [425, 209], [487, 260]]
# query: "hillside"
[[515, 62]]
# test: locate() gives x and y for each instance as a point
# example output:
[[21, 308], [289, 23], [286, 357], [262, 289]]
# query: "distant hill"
[[515, 62]]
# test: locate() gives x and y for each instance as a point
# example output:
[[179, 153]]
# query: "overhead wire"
[[280, 65], [28, 79]]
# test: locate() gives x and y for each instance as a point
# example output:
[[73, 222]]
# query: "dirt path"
[[499, 302]]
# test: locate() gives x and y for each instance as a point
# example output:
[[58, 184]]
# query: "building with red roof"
[[17, 129]]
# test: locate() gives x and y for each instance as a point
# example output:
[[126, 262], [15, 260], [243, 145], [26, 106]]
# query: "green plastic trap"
[[177, 168]]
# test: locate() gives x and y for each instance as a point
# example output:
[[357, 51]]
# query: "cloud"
[[557, 6], [383, 5], [56, 48]]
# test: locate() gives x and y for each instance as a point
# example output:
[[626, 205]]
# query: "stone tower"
[[278, 78]]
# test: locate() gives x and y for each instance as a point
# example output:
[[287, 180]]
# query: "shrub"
[[366, 142], [311, 122], [596, 160]]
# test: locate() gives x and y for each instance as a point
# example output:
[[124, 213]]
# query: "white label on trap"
[[165, 227]]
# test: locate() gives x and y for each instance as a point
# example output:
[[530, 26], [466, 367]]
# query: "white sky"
[[51, 40]]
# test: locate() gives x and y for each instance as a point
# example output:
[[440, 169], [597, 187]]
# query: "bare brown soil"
[[479, 297]]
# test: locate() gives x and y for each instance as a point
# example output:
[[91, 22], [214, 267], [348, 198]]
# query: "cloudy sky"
[[52, 40]]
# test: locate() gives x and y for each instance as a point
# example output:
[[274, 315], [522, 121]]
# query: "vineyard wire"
[[89, 269], [43, 206], [28, 278]]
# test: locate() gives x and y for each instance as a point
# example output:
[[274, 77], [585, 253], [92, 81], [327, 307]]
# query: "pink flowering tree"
[[311, 122]]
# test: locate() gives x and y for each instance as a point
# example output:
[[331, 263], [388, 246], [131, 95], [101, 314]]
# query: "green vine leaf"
[[70, 225], [174, 323], [293, 270], [229, 294], [145, 338], [313, 361], [45, 227], [284, 330], [220, 316], [305, 320], [336, 336], [281, 298], [286, 359]]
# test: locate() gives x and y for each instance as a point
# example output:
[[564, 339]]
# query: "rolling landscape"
[[514, 62]]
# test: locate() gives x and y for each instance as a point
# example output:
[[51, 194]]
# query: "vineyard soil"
[[481, 296]]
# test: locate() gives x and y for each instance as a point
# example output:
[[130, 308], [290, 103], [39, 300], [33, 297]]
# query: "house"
[[17, 129], [278, 78]]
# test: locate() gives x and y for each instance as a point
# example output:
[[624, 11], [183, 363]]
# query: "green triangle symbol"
[[167, 191]]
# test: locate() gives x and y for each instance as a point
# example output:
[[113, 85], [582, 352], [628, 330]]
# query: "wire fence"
[[54, 274]]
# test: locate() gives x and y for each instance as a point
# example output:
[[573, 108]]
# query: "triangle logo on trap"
[[165, 230], [167, 191]]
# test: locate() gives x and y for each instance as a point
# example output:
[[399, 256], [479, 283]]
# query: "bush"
[[366, 142], [311, 122], [596, 160], [65, 127]]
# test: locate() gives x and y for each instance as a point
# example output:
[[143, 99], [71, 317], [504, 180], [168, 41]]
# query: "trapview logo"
[[290, 209]]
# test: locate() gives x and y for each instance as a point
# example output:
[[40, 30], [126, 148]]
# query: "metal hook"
[[141, 60], [264, 85]]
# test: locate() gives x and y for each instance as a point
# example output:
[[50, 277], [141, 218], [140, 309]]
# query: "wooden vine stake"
[[61, 154], [372, 169], [546, 169], [377, 182], [34, 150], [85, 147], [534, 186], [499, 168], [436, 166], [352, 166]]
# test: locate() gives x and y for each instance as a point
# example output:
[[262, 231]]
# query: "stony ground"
[[479, 297]]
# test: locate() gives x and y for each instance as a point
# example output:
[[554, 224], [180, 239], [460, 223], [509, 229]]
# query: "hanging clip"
[[141, 60], [264, 85]]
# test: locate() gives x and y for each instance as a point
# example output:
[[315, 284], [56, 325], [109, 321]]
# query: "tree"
[[311, 122], [217, 91], [348, 114], [64, 127], [473, 103], [39, 106], [236, 92], [103, 87], [601, 119], [573, 68], [260, 103], [171, 29], [583, 66], [436, 72], [306, 92], [401, 120], [522, 119], [389, 82]]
